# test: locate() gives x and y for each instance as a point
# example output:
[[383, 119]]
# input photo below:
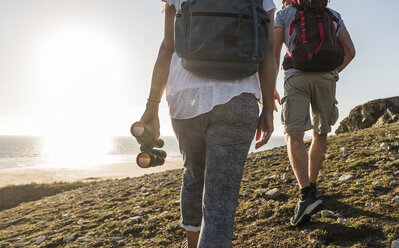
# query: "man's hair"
[[316, 5]]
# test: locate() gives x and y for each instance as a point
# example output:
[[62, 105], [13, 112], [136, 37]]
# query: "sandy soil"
[[16, 176]]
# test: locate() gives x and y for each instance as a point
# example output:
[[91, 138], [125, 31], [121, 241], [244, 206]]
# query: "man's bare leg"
[[298, 156], [192, 239], [317, 153]]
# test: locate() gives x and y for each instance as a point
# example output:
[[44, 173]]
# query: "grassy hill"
[[359, 179]]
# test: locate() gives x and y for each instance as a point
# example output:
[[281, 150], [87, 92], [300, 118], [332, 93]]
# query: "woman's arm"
[[267, 78], [161, 72]]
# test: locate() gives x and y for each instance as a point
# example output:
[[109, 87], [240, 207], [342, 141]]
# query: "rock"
[[270, 178], [273, 193], [337, 174], [18, 245], [327, 213], [395, 244], [117, 239], [145, 194], [252, 212], [344, 178], [83, 239], [371, 114], [14, 235], [40, 239], [284, 177], [344, 149], [341, 220], [40, 223], [140, 213], [369, 204], [157, 210], [396, 198], [69, 239], [135, 219], [152, 220], [376, 182], [384, 145], [65, 216]]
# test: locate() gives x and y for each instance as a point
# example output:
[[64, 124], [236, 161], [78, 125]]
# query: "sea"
[[32, 151]]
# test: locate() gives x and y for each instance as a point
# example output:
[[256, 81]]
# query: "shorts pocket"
[[334, 114], [284, 112]]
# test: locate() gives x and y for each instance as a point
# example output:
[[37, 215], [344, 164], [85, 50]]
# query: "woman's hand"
[[151, 119], [265, 128], [276, 97]]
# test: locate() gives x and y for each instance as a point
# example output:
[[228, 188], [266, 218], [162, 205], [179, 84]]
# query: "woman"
[[214, 123]]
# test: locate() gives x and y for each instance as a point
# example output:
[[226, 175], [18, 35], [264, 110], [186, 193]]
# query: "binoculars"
[[148, 157]]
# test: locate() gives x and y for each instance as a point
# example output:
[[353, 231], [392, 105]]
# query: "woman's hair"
[[316, 5]]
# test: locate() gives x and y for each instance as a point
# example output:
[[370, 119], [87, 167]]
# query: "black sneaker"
[[306, 208], [318, 192]]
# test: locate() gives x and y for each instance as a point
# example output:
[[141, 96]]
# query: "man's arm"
[[345, 39], [278, 44], [161, 71], [267, 78]]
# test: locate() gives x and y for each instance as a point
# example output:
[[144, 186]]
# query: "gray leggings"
[[215, 146]]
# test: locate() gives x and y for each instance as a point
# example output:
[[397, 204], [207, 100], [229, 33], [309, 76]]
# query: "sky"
[[83, 67]]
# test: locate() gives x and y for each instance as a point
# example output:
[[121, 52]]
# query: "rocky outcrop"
[[372, 114]]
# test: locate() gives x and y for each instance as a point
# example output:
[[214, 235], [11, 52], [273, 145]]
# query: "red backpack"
[[317, 48]]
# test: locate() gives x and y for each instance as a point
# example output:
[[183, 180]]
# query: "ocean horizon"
[[36, 151]]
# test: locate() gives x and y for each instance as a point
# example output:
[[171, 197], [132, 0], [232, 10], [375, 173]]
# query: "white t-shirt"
[[189, 95]]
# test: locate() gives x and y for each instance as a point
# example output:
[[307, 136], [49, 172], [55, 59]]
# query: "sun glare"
[[79, 72]]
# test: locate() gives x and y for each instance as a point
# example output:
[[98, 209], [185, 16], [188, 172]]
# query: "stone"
[[65, 216], [341, 220], [252, 212], [327, 213], [40, 239], [135, 219], [369, 204], [344, 149], [396, 198], [345, 177], [395, 244], [273, 193], [14, 235], [140, 213], [117, 239], [284, 177], [18, 245], [152, 220], [270, 178], [337, 174], [40, 223], [69, 239], [376, 182], [83, 239]]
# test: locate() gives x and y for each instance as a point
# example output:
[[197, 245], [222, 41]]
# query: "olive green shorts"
[[309, 89]]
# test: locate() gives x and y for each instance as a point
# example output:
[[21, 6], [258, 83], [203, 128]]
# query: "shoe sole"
[[310, 210]]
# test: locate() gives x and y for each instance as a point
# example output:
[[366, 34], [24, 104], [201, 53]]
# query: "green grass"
[[102, 210]]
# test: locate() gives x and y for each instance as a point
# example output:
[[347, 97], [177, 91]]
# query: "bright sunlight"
[[79, 72]]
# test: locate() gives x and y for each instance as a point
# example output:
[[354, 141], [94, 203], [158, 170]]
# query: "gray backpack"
[[222, 39]]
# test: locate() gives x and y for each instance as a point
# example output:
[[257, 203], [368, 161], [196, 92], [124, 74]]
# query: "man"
[[302, 89]]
